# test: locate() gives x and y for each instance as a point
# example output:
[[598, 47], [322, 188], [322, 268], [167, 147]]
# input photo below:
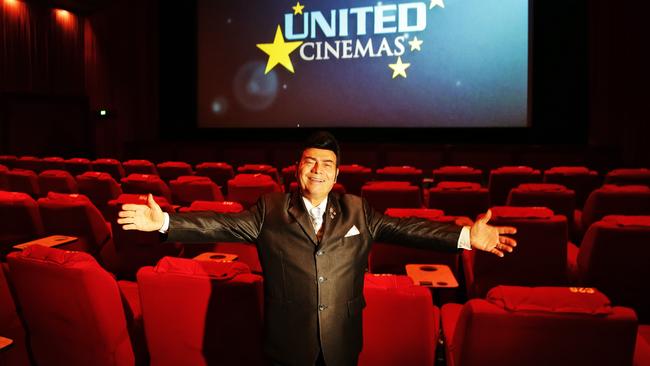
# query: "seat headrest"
[[515, 169], [60, 257], [191, 179], [22, 172], [563, 300], [458, 186], [456, 168], [569, 170], [54, 173], [67, 197], [541, 187], [218, 270], [622, 220], [426, 213], [522, 212], [96, 175], [637, 171], [136, 177], [624, 188], [174, 164], [140, 199], [106, 161], [221, 207], [15, 197]]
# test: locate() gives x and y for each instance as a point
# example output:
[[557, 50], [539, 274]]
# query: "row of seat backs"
[[171, 169], [194, 312], [200, 313], [613, 255]]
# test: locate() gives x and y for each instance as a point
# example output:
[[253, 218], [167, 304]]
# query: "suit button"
[[319, 253], [321, 279], [322, 307]]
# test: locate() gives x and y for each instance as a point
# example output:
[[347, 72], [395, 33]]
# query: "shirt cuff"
[[165, 226], [463, 239]]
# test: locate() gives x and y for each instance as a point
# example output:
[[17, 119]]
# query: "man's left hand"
[[489, 238]]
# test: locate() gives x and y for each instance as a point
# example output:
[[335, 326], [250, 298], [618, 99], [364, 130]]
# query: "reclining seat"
[[21, 220], [11, 327], [202, 313], [538, 260], [392, 257], [541, 326], [74, 215], [245, 252], [459, 198], [400, 323], [73, 309], [614, 258], [384, 195], [503, 179]]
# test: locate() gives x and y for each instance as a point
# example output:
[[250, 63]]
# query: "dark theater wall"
[[589, 91]]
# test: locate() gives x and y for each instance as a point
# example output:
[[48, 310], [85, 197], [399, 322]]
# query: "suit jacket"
[[313, 290]]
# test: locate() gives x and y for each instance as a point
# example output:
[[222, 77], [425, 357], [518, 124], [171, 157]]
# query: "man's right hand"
[[147, 217]]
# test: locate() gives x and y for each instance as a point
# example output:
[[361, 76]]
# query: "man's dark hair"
[[322, 140]]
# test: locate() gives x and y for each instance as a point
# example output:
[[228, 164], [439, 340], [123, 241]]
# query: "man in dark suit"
[[313, 246]]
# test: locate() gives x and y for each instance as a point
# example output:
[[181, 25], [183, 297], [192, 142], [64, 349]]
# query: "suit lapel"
[[299, 213], [333, 210]]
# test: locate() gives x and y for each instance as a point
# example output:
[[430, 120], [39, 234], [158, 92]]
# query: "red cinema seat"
[[288, 177], [29, 163], [400, 173], [21, 220], [642, 349], [133, 249], [4, 181], [614, 257], [613, 200], [260, 169], [400, 323], [538, 260], [503, 179], [579, 179], [202, 313], [393, 258], [21, 180], [540, 326], [52, 163], [384, 195], [628, 177], [353, 177], [171, 170], [8, 160], [100, 187], [248, 188], [11, 327], [145, 184], [459, 198], [74, 215], [139, 166], [219, 172], [245, 252], [189, 188], [110, 166], [458, 174], [56, 181], [74, 310], [554, 196], [77, 166]]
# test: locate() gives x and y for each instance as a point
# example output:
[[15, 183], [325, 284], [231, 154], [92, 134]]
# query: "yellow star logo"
[[279, 51], [298, 8], [434, 3], [399, 68], [415, 44]]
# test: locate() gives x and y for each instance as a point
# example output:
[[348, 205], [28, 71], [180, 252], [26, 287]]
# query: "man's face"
[[317, 173]]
